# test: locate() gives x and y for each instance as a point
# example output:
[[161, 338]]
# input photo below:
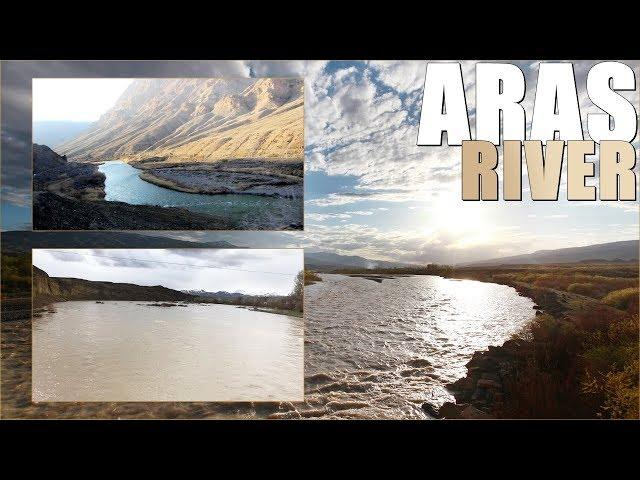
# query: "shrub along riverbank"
[[577, 359]]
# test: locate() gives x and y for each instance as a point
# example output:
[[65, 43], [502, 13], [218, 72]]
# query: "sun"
[[452, 215]]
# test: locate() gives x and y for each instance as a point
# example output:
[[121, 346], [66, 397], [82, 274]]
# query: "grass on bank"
[[580, 359], [16, 275], [311, 277]]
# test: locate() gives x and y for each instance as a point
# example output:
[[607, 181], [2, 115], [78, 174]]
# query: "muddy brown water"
[[372, 350]]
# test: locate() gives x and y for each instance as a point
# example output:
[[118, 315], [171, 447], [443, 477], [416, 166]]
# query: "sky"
[[369, 189], [75, 99], [254, 271]]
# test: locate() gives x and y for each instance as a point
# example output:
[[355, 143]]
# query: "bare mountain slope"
[[198, 120]]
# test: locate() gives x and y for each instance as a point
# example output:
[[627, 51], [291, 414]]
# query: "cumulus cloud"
[[361, 121]]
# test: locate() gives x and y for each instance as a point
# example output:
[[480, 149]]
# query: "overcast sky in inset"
[[253, 271]]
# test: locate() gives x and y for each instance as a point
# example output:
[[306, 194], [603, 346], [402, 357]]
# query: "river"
[[381, 350], [371, 350], [123, 184], [130, 351]]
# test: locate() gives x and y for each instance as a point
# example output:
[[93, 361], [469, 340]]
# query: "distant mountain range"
[[327, 261], [197, 120], [229, 297], [623, 251], [24, 241]]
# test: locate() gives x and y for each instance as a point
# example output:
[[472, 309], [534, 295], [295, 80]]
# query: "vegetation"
[[290, 304], [579, 358], [16, 275], [311, 277], [624, 299]]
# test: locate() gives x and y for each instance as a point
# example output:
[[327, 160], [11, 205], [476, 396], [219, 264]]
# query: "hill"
[[23, 241], [54, 289], [616, 252], [198, 120], [327, 261]]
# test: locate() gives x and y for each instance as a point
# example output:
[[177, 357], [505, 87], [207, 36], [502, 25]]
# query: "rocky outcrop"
[[48, 289], [480, 393], [246, 176], [53, 173], [201, 120]]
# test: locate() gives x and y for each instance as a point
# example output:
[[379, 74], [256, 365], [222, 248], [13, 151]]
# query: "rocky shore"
[[69, 196], [53, 173], [484, 392], [273, 178], [54, 212]]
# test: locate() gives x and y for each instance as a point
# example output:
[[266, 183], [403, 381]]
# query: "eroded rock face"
[[51, 289], [201, 120], [52, 172]]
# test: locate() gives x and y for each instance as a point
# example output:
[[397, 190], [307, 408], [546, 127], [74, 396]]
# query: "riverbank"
[[311, 278], [578, 358], [481, 393], [262, 177], [54, 212], [70, 196], [80, 196]]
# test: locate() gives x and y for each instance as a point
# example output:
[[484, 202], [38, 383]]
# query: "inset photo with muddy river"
[[167, 325]]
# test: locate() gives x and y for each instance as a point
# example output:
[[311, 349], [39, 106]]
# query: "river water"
[[123, 184], [381, 350], [371, 350], [130, 351]]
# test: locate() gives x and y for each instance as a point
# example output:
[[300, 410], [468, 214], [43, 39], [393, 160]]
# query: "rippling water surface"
[[381, 350], [129, 351], [247, 211], [371, 350]]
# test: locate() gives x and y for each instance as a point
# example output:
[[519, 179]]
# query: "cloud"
[[177, 258], [321, 217], [336, 199], [16, 102], [401, 76], [252, 271], [361, 121]]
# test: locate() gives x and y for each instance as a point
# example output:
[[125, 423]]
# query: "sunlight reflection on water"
[[380, 350]]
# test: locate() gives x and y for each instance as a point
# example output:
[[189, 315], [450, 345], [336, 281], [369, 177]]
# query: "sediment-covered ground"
[[244, 176]]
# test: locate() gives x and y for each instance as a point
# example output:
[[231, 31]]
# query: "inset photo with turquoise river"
[[168, 154]]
